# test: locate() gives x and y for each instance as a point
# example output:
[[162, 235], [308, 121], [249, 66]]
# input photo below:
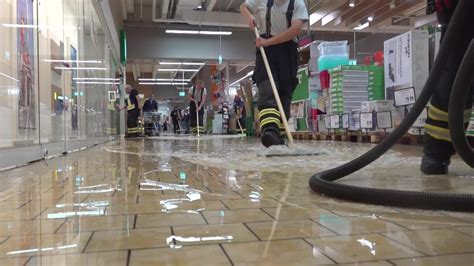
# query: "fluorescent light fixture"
[[99, 79], [178, 70], [8, 77], [98, 82], [81, 68], [242, 78], [171, 80], [199, 6], [29, 26], [352, 3], [202, 32], [362, 26], [74, 61], [182, 63], [370, 18], [182, 31], [162, 83], [207, 32]]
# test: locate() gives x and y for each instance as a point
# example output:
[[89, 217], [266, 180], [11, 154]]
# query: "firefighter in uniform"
[[282, 21], [438, 148], [197, 98], [133, 107]]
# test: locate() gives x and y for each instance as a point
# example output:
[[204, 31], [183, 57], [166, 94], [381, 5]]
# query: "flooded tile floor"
[[222, 202]]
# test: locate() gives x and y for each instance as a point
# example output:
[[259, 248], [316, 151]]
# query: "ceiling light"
[[162, 83], [439, 25], [98, 82], [370, 18], [183, 63], [182, 31], [9, 77], [177, 70], [178, 80], [203, 32], [81, 68], [352, 3], [73, 61], [100, 79], [199, 6], [242, 78], [362, 26]]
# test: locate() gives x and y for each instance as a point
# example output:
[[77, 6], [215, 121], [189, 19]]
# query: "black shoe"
[[270, 137], [433, 166]]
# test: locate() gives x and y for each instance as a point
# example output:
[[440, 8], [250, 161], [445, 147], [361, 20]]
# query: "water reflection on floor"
[[222, 201]]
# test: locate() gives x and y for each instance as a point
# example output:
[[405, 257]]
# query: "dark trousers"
[[283, 61], [132, 122], [194, 118], [437, 138], [175, 126]]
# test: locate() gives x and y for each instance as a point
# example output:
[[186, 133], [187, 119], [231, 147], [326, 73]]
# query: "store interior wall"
[[31, 86]]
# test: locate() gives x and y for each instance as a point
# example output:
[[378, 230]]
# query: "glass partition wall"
[[57, 79]]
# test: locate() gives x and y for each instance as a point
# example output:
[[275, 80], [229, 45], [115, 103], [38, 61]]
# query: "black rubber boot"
[[433, 166], [270, 137]]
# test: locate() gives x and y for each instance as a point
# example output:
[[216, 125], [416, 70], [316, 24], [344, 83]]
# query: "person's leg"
[[201, 121], [192, 117], [438, 148], [132, 123], [269, 115]]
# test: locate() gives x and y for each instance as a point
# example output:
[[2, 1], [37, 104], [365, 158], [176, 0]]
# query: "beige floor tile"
[[360, 248], [462, 259], [376, 263], [212, 234], [191, 255], [280, 252], [102, 223], [250, 203], [116, 258], [357, 225], [172, 205], [465, 230], [129, 239], [422, 221], [301, 201], [294, 213], [13, 261], [23, 246], [435, 241], [32, 227], [288, 229], [349, 209], [236, 216], [468, 217], [169, 219]]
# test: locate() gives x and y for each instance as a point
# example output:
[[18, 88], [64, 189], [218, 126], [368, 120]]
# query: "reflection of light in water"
[[16, 252], [232, 179], [171, 204], [89, 205], [255, 196], [171, 241], [62, 215], [148, 184], [367, 243], [102, 188]]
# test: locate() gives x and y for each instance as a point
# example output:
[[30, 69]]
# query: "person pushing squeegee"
[[276, 66]]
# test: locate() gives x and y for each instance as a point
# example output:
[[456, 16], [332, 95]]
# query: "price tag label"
[[366, 120], [404, 97], [334, 121], [384, 120], [327, 121], [421, 120], [345, 121]]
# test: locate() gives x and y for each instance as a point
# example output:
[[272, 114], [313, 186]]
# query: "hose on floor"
[[445, 64]]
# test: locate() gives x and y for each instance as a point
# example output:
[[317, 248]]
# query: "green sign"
[[123, 47], [301, 92], [182, 93], [182, 175]]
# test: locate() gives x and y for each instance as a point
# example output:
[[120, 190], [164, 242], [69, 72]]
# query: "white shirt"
[[278, 14], [197, 94]]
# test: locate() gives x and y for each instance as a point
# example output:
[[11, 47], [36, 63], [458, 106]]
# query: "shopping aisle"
[[157, 202]]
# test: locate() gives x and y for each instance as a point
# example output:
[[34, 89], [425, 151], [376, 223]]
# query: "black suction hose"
[[459, 94], [445, 65]]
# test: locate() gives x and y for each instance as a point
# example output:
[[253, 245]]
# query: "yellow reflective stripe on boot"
[[437, 114], [268, 111], [269, 120], [438, 132], [133, 130]]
